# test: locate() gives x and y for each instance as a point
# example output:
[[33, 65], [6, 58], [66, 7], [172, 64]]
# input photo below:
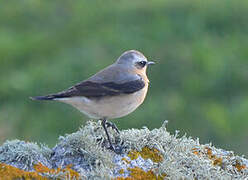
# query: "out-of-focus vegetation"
[[200, 82]]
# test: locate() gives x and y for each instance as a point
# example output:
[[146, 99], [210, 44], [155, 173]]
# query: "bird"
[[111, 93]]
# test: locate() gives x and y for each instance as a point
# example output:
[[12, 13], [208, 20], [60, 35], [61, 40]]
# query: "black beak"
[[150, 63]]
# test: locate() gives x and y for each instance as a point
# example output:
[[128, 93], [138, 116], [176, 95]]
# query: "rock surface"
[[142, 154]]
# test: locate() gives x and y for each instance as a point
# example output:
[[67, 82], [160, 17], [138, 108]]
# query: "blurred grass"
[[199, 83]]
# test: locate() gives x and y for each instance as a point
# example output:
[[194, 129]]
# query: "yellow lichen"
[[124, 159], [69, 173], [196, 151], [133, 154], [239, 166], [137, 173], [153, 154], [121, 171], [146, 153], [9, 172], [209, 153], [216, 160]]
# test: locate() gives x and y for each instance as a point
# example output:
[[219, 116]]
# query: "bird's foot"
[[113, 126], [116, 149]]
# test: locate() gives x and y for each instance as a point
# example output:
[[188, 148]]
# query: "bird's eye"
[[142, 63]]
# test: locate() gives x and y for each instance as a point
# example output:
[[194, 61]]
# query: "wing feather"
[[95, 89]]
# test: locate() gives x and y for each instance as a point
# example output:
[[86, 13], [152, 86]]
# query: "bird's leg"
[[105, 129], [113, 126]]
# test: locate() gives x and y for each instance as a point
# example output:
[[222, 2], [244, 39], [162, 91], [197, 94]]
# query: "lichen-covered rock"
[[24, 155], [142, 154]]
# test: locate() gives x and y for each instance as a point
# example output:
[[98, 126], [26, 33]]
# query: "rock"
[[143, 154]]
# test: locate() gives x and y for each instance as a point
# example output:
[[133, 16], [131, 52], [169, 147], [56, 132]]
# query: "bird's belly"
[[108, 107]]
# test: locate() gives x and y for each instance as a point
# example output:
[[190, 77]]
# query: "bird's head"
[[135, 60]]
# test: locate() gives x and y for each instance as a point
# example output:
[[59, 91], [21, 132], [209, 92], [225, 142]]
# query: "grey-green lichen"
[[143, 153], [24, 155]]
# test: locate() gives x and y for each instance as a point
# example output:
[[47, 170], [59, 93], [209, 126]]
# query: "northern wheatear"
[[111, 93]]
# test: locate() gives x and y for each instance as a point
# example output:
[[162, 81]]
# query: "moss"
[[147, 153]]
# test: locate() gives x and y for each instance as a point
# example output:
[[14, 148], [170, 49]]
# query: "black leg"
[[113, 126], [105, 129]]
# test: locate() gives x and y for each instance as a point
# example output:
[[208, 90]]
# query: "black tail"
[[48, 97]]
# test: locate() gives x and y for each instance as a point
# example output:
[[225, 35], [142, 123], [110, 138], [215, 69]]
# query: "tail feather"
[[48, 97]]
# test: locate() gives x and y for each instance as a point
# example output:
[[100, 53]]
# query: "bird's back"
[[117, 73]]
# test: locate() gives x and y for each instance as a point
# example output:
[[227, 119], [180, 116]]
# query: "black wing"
[[93, 89]]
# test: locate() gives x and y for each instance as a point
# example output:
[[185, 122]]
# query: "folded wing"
[[94, 89]]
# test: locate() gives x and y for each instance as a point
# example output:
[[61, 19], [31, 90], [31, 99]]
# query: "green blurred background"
[[199, 84]]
